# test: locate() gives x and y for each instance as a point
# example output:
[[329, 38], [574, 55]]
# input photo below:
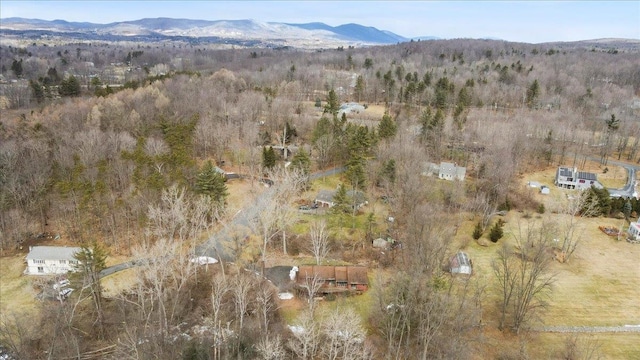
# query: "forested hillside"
[[113, 146]]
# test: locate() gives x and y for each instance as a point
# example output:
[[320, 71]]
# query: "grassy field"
[[17, 293], [597, 287], [615, 177]]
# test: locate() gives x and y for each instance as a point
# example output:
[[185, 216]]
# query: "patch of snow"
[[298, 330], [203, 260], [285, 296]]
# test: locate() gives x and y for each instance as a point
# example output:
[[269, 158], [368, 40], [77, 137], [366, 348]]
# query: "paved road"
[[589, 329], [629, 189], [115, 268]]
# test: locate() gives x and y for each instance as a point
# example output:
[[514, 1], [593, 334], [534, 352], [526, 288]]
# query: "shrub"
[[496, 232], [477, 231], [541, 209]]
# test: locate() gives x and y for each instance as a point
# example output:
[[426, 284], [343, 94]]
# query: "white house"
[[449, 171], [49, 260], [571, 178], [445, 171]]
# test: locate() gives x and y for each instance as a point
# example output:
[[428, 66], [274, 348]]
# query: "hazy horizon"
[[519, 21]]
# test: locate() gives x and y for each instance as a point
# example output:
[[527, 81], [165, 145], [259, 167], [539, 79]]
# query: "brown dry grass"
[[17, 294], [615, 177], [597, 287]]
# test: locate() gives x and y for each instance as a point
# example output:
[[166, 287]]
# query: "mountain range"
[[239, 30]]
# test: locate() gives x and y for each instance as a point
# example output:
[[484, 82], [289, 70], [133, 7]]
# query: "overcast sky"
[[523, 21]]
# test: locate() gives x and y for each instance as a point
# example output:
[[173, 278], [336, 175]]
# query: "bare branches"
[[523, 275], [319, 240]]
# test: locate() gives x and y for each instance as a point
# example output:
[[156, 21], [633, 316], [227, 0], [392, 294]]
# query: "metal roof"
[[52, 252], [460, 259]]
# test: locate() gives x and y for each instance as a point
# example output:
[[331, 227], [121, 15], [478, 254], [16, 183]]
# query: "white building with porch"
[[50, 260]]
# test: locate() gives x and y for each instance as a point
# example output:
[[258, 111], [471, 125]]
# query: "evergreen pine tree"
[[70, 87], [268, 157], [477, 231], [301, 162], [341, 203], [496, 232], [387, 127], [211, 183], [333, 104], [532, 94], [91, 260]]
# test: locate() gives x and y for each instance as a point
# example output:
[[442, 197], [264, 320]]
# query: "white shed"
[[460, 264], [49, 260]]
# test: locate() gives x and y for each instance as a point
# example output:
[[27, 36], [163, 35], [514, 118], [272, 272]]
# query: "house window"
[[37, 261], [63, 262], [73, 262], [40, 269]]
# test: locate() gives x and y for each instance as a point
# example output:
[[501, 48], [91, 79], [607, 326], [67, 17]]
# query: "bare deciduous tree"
[[270, 348], [523, 275], [305, 342], [572, 212], [344, 335], [265, 299], [319, 240]]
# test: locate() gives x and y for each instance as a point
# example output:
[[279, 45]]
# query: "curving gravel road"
[[217, 245]]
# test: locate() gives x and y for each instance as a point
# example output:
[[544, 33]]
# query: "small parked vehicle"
[[60, 284]]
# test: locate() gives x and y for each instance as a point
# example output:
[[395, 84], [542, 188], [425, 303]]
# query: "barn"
[[460, 264]]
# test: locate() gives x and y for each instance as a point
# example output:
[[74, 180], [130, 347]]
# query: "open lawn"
[[598, 286], [17, 294], [615, 177]]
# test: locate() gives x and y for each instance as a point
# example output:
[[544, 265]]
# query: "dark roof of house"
[[586, 175], [52, 252], [348, 274], [325, 195], [566, 172]]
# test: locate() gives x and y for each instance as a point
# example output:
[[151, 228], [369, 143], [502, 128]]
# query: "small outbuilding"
[[460, 264]]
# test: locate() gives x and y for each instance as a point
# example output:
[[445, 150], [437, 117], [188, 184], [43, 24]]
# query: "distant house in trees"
[[350, 108], [324, 198], [446, 171], [571, 178], [227, 175], [460, 264], [50, 260], [334, 279]]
